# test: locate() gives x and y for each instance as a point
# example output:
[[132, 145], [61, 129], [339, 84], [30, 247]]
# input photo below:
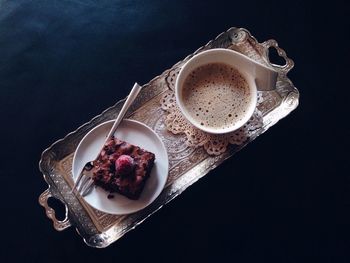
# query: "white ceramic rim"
[[192, 64]]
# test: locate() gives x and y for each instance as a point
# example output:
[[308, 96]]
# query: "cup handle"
[[265, 78]]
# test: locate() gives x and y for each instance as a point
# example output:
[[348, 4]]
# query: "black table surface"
[[284, 198]]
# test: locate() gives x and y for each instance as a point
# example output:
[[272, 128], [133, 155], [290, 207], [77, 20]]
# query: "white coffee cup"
[[257, 76]]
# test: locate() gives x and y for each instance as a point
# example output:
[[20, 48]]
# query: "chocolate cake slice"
[[123, 168]]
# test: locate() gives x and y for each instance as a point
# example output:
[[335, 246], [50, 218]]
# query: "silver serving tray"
[[186, 165]]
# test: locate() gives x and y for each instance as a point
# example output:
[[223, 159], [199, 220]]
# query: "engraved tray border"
[[99, 229]]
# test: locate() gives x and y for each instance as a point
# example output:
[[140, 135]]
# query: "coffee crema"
[[216, 95]]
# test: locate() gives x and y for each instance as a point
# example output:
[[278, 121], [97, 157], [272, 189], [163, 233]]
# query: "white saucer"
[[135, 133]]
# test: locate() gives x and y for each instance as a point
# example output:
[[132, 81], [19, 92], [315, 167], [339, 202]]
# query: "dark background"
[[284, 198]]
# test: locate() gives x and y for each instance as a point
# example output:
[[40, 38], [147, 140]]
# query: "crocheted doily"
[[214, 144]]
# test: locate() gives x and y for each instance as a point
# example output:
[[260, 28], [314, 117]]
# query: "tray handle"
[[50, 213], [289, 64]]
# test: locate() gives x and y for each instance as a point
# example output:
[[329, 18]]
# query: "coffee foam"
[[216, 95]]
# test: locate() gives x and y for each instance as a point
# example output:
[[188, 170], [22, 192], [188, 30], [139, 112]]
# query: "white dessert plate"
[[135, 133]]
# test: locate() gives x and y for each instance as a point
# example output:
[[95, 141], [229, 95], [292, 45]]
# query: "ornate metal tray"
[[186, 164]]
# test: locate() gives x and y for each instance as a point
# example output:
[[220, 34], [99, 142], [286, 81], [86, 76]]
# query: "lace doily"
[[214, 144]]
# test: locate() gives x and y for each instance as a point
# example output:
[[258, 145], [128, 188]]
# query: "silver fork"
[[84, 181]]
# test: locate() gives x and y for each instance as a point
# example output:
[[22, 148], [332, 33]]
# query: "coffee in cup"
[[216, 95]]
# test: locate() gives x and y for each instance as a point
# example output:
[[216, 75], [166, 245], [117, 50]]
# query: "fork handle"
[[130, 99]]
